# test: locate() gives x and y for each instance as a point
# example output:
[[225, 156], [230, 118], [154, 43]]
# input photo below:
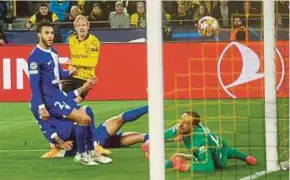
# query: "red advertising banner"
[[191, 70]]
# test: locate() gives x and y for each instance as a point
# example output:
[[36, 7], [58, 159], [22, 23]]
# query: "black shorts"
[[72, 84]]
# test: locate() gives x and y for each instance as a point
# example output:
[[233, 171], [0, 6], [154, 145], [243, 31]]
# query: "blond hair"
[[81, 17]]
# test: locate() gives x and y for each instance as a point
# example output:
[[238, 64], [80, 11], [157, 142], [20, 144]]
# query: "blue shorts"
[[104, 139], [62, 108], [64, 128]]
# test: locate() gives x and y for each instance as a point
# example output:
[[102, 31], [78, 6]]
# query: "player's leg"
[[125, 139], [131, 138], [235, 154], [82, 155], [111, 126], [114, 124], [96, 156], [92, 136], [101, 137], [80, 117], [70, 110]]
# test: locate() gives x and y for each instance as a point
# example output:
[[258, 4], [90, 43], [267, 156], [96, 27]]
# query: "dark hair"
[[43, 5], [43, 24], [195, 116]]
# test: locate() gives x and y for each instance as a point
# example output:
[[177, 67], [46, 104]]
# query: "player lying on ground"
[[105, 134], [49, 104], [207, 151]]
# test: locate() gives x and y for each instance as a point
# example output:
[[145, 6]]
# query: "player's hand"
[[68, 145], [73, 71], [178, 138], [44, 114], [90, 83]]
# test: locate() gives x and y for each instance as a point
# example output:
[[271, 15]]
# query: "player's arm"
[[171, 133], [169, 136], [34, 74], [51, 135], [48, 132], [86, 87], [65, 74]]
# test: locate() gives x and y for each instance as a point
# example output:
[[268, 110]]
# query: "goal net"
[[224, 83]]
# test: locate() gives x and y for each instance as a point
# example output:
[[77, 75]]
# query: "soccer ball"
[[208, 27]]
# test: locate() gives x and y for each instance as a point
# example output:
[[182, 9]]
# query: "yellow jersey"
[[84, 55], [138, 21]]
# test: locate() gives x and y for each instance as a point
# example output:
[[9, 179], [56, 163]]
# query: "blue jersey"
[[55, 126], [45, 75]]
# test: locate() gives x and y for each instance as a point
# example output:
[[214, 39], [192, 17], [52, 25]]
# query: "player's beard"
[[46, 43]]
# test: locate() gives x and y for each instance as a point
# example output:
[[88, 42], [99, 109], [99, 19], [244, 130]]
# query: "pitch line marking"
[[256, 175]]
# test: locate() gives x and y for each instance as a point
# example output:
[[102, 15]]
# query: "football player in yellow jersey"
[[84, 49]]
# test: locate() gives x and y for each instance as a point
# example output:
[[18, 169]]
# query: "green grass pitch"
[[21, 142]]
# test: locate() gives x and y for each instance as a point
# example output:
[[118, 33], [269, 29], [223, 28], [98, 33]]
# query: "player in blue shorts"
[[49, 104], [106, 135]]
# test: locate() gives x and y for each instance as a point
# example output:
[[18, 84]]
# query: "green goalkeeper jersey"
[[208, 150]]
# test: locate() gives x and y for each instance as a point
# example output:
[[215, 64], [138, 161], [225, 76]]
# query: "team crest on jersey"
[[33, 65]]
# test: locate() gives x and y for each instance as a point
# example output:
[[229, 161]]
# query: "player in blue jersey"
[[106, 134], [50, 105]]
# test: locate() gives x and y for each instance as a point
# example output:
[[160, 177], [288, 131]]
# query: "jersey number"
[[61, 106]]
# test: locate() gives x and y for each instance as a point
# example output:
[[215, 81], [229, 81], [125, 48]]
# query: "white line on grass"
[[256, 175]]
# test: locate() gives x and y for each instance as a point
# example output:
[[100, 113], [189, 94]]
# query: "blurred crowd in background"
[[235, 15]]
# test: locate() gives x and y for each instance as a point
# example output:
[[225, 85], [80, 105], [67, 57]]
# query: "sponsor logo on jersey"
[[77, 56]]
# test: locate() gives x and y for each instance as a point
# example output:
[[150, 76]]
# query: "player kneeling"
[[69, 139], [207, 151]]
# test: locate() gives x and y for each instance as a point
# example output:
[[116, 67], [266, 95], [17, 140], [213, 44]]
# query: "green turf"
[[240, 122]]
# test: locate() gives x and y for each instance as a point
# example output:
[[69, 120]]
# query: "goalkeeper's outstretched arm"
[[187, 162]]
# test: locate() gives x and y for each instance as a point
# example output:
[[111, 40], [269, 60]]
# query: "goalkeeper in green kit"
[[207, 151]]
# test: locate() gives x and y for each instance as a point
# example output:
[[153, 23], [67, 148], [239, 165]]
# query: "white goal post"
[[270, 86], [155, 88], [271, 123]]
